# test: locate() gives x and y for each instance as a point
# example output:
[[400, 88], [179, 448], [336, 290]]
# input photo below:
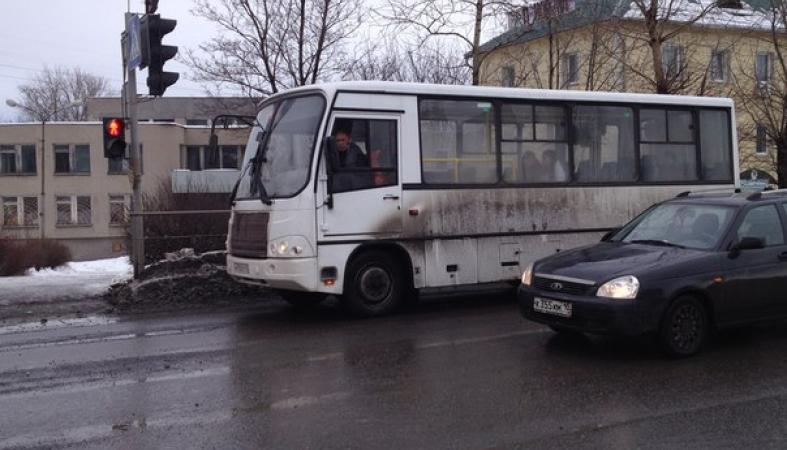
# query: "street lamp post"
[[44, 118]]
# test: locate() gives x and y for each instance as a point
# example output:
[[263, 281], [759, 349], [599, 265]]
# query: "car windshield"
[[679, 225], [280, 149]]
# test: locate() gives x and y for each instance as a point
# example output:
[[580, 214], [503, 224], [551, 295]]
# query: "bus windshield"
[[278, 163]]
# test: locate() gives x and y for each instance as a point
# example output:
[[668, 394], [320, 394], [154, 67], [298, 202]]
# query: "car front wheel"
[[685, 326]]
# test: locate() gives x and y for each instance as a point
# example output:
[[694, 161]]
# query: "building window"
[[17, 159], [570, 69], [118, 209], [507, 77], [672, 60], [762, 141], [73, 210], [197, 122], [20, 211], [72, 159], [203, 158], [718, 66], [763, 67]]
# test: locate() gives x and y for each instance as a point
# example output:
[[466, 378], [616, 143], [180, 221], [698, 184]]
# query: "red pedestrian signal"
[[114, 137]]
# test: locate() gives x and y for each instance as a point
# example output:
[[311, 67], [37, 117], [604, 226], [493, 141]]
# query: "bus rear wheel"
[[374, 286]]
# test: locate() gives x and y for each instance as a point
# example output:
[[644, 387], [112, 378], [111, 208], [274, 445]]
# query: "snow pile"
[[75, 280], [182, 279], [119, 267]]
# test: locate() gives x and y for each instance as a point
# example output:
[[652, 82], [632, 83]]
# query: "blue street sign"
[[134, 45]]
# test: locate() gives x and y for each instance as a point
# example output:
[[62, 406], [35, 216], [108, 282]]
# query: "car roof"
[[730, 198]]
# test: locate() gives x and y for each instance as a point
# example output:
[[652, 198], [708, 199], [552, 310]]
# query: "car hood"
[[607, 260]]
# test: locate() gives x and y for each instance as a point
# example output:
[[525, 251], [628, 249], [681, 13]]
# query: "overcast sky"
[[83, 33]]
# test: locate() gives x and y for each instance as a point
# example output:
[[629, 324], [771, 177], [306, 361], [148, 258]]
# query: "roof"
[[730, 198], [389, 87], [751, 16]]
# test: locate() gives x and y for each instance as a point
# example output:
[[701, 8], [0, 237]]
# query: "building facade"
[[709, 48], [55, 182]]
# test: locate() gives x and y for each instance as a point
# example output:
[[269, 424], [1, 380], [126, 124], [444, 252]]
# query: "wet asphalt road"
[[458, 374]]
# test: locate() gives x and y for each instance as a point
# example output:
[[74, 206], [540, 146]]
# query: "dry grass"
[[16, 256]]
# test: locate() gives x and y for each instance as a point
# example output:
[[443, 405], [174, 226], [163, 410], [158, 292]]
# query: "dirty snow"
[[74, 280]]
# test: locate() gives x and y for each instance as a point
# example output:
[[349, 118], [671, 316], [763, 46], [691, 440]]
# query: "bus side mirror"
[[213, 143], [331, 166], [331, 155]]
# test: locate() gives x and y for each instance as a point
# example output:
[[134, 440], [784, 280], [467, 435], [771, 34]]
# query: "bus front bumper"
[[296, 274]]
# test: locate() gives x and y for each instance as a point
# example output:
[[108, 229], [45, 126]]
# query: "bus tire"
[[302, 299], [374, 285]]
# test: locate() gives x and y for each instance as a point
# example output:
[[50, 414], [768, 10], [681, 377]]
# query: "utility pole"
[[130, 62]]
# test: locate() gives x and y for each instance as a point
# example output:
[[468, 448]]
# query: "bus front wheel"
[[374, 285]]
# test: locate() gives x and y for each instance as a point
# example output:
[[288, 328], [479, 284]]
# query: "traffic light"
[[114, 131], [152, 29]]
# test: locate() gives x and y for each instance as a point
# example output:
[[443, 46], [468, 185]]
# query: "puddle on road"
[[53, 324]]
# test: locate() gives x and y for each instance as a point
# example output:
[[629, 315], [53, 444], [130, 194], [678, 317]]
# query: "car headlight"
[[623, 287], [527, 275]]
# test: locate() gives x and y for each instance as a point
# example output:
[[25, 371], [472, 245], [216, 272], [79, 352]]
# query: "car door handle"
[[390, 197], [783, 256]]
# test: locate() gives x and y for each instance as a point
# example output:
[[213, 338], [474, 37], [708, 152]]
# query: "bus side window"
[[367, 153]]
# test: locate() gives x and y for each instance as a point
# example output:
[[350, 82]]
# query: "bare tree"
[[268, 45], [762, 94], [664, 67], [462, 21], [422, 64], [50, 94]]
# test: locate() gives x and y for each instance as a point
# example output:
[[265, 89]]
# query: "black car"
[[680, 269]]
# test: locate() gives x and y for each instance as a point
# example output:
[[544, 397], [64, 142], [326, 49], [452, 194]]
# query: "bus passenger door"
[[366, 186]]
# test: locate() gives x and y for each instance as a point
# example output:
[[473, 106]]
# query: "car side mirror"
[[748, 243], [608, 235]]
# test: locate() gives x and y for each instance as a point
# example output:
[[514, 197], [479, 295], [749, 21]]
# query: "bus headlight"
[[527, 275], [288, 247], [623, 288]]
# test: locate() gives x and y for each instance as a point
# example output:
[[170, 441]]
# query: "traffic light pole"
[[137, 226]]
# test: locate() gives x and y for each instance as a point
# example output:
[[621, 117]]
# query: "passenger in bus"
[[350, 157], [532, 171], [554, 170]]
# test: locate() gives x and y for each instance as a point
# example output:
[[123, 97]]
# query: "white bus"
[[451, 187]]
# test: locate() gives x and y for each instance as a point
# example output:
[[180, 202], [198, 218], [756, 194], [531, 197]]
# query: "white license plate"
[[554, 307], [241, 268]]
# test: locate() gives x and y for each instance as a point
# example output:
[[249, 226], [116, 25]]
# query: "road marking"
[[86, 387], [90, 321], [80, 435]]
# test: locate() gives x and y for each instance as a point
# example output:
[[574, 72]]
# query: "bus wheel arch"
[[377, 279]]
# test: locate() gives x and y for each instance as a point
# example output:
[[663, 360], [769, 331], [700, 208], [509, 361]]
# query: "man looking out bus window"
[[350, 157]]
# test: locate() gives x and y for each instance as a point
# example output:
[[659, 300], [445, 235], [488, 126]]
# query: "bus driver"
[[350, 157]]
